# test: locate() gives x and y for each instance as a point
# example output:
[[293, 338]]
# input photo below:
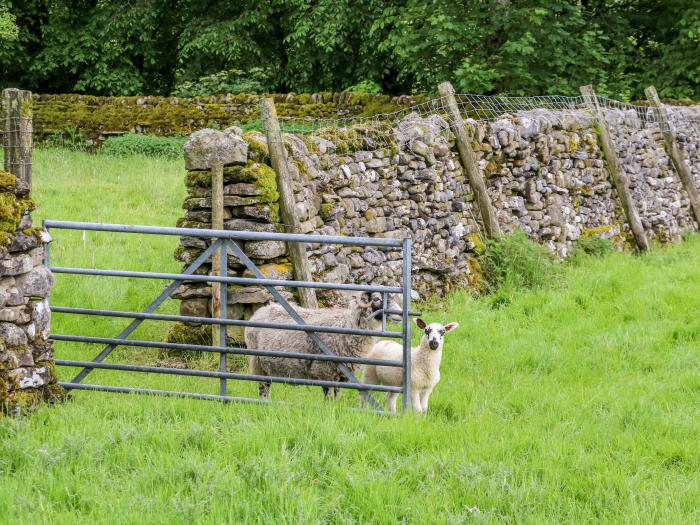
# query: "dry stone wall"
[[27, 371], [545, 173], [97, 118]]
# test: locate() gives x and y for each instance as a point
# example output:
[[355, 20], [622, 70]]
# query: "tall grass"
[[571, 404]]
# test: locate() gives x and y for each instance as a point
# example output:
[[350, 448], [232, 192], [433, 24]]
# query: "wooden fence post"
[[217, 223], [674, 152], [17, 136], [617, 174], [470, 163], [278, 158]]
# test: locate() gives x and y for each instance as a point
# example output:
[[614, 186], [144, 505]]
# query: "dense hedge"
[[94, 116]]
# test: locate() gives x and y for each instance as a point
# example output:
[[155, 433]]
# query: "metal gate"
[[225, 241]]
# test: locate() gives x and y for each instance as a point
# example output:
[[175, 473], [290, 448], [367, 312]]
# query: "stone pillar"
[[27, 370]]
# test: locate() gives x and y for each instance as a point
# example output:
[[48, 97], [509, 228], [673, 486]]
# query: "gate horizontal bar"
[[224, 350], [226, 375], [230, 280], [170, 393], [229, 322], [224, 234], [194, 395]]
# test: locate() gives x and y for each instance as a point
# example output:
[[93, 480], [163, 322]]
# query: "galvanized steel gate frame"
[[225, 241]]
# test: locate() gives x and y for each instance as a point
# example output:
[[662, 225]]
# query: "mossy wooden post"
[[618, 175], [278, 159], [674, 152], [219, 264], [17, 137], [470, 163]]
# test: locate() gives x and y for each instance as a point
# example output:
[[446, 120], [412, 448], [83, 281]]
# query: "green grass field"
[[579, 403]]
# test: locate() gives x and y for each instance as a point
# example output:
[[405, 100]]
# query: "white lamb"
[[425, 365]]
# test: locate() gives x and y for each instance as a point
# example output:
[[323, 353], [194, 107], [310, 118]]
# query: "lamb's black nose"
[[433, 345]]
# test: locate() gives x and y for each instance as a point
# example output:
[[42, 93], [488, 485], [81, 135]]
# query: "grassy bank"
[[572, 404]]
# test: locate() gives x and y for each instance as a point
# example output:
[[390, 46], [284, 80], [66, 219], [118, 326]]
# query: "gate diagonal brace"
[[240, 254], [167, 292]]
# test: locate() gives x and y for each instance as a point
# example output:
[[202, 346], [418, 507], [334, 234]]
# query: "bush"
[[233, 81], [366, 86], [515, 262], [591, 246], [136, 144]]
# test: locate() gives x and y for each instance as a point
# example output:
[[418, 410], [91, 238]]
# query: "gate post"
[[17, 137], [219, 263]]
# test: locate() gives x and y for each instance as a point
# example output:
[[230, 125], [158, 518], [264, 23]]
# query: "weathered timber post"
[[470, 163], [674, 152], [278, 158], [618, 175], [17, 137], [219, 264]]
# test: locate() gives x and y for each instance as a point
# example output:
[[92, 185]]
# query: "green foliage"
[[149, 145], [9, 31], [69, 137], [514, 262], [191, 47], [254, 80], [591, 246], [366, 86]]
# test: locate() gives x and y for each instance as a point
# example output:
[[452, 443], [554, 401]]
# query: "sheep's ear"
[[450, 327], [420, 323], [363, 300]]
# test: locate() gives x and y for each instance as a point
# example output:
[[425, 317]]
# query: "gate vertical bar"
[[47, 253], [223, 313], [406, 307]]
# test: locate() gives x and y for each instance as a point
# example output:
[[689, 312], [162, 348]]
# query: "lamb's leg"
[[425, 395], [391, 398], [415, 400], [370, 378]]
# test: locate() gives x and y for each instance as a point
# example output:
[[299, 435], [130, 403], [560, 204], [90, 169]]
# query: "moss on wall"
[[92, 116]]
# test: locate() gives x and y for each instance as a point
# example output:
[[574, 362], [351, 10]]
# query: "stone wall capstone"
[[27, 370], [545, 173]]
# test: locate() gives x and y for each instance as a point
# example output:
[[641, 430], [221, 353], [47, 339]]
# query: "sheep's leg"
[[425, 395], [255, 368], [391, 398], [329, 394], [264, 389]]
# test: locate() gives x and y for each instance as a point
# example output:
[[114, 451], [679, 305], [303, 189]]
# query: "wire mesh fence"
[[393, 129]]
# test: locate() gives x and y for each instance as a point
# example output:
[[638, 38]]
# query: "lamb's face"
[[434, 333]]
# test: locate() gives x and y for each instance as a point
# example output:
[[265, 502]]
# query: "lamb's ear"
[[450, 327], [420, 323]]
